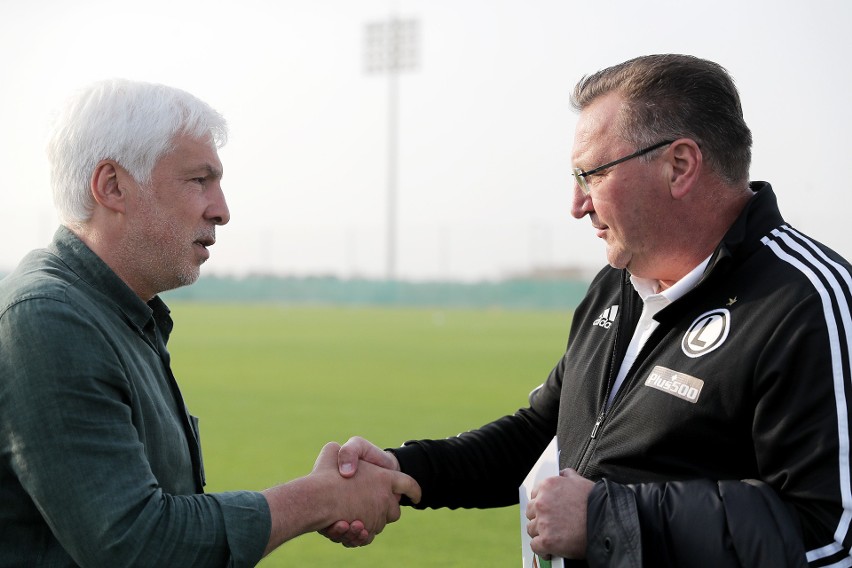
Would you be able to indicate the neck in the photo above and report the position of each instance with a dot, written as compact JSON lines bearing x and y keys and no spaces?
{"x":110,"y":249}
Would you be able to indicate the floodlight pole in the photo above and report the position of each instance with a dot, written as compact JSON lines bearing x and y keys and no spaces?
{"x":392,"y":180}
{"x":391,"y":48}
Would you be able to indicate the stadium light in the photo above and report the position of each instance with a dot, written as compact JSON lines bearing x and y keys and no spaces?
{"x":391,"y":47}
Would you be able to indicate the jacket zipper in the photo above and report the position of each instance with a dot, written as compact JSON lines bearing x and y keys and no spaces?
{"x":597,"y":425}
{"x":610,"y":381}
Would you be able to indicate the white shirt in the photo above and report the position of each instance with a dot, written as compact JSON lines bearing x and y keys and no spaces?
{"x":653,"y":302}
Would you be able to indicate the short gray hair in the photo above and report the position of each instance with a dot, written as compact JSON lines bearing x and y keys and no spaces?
{"x":677,"y":96}
{"x":131,"y":122}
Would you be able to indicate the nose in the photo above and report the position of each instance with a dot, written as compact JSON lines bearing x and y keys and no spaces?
{"x":581,"y":204}
{"x":217,"y":210}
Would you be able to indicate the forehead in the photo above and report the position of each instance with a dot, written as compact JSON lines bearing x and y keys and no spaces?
{"x":191,"y":153}
{"x":597,"y":128}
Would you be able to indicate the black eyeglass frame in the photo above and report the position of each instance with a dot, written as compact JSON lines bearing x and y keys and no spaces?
{"x":580,"y":175}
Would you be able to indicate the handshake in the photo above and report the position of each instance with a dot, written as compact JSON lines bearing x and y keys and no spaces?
{"x":374,"y":485}
{"x":350,"y":495}
{"x":354,"y":490}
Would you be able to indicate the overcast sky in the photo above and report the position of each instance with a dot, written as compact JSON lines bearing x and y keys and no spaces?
{"x":485,"y":126}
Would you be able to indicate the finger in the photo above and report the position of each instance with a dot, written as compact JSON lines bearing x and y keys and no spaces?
{"x":363,"y":539}
{"x":349,"y":535}
{"x":530,"y":510}
{"x":327,"y":457}
{"x":358,"y":535}
{"x":535,"y":490}
{"x":403,"y":484}
{"x":532,"y":530}
{"x":536,"y":547}
{"x":336,"y":532}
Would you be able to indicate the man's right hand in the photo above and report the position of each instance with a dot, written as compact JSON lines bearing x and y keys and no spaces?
{"x":350,"y":510}
{"x":358,"y":449}
{"x":371,"y":493}
{"x":351,"y":453}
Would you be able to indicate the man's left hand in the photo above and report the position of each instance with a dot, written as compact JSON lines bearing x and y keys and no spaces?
{"x":557,"y":514}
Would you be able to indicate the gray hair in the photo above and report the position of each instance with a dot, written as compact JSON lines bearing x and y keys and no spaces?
{"x":131,"y":122}
{"x":677,"y":96}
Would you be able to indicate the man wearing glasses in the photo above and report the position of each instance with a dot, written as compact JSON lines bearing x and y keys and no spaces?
{"x":701,"y":408}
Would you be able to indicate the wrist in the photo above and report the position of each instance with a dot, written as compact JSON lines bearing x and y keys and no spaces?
{"x":298,"y":507}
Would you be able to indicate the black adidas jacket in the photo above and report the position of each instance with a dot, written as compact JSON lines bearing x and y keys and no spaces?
{"x":728,"y":442}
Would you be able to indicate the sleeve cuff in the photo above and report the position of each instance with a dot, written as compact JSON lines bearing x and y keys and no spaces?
{"x":248,"y":524}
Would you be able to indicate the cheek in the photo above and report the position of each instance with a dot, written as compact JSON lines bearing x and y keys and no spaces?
{"x":625,"y":226}
{"x":164,"y":230}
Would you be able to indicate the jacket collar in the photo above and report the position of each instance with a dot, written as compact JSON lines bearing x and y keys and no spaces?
{"x":758,"y":218}
{"x":743,"y":238}
{"x":92,"y":270}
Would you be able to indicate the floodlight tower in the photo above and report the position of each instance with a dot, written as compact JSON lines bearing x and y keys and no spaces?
{"x":391,"y":48}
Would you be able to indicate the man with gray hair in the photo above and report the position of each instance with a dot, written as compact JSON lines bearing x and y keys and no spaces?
{"x":701,"y":407}
{"x":100,"y":461}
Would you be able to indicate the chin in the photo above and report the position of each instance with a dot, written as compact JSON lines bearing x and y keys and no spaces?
{"x":188,"y":277}
{"x":618,"y":261}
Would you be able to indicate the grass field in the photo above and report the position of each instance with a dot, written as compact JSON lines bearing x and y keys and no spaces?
{"x":272,"y":384}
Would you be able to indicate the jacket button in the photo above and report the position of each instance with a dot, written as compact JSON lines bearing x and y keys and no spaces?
{"x":607,"y":544}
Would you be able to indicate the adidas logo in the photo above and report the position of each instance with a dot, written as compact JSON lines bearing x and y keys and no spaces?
{"x":606,"y":318}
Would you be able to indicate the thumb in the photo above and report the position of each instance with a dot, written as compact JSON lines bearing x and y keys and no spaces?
{"x":403,"y":484}
{"x":360,"y":449}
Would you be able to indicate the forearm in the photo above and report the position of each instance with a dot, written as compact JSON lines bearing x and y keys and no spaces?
{"x":167,"y":530}
{"x":481,"y":468}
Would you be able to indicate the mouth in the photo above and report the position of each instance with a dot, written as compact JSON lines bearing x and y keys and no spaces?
{"x":600,"y":230}
{"x":203,"y":243}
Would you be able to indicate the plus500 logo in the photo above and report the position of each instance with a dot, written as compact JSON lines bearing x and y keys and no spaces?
{"x":681,"y":385}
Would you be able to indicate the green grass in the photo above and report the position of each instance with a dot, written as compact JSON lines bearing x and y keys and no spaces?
{"x":272,"y":384}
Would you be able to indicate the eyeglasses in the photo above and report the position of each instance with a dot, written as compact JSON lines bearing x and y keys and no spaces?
{"x":580,"y":176}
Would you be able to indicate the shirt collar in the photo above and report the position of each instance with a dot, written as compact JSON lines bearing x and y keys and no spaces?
{"x":647,"y":288}
{"x":92,"y":270}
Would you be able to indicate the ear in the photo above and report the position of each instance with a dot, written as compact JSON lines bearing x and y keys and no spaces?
{"x":108,"y":186}
{"x":685,"y":161}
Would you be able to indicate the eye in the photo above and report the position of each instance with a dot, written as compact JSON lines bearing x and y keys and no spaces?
{"x":596,"y":177}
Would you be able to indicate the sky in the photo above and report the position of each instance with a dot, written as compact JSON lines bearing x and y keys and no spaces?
{"x":484,"y":123}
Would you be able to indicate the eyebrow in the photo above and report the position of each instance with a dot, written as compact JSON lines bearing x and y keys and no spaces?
{"x":211,"y":171}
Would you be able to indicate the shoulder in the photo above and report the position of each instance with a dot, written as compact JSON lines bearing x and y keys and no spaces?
{"x":40,"y":275}
{"x":45,"y":309}
{"x":802,"y":261}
